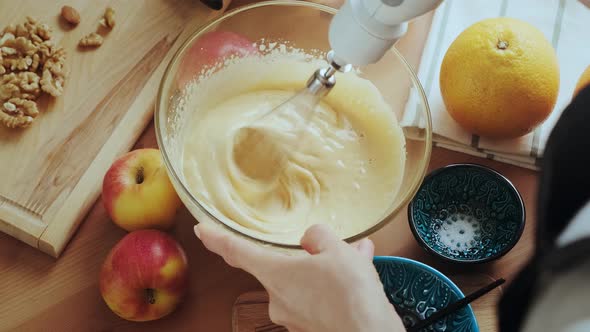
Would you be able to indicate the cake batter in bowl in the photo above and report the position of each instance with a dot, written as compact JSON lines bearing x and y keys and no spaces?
{"x":354,"y":167}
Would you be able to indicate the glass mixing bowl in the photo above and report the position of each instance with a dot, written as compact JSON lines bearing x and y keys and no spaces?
{"x":302,"y":25}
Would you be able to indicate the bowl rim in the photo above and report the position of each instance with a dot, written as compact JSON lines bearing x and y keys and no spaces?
{"x":434,"y":271}
{"x":161,"y":101}
{"x":500,"y":178}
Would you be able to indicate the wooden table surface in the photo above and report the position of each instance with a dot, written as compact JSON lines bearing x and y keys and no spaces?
{"x":39,"y":293}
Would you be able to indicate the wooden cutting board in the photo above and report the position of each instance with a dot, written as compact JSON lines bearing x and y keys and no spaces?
{"x":51,"y":173}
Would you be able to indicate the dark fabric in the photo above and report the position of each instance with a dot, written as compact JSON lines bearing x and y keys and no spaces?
{"x":565,"y":175}
{"x":213,"y":4}
{"x":564,"y":188}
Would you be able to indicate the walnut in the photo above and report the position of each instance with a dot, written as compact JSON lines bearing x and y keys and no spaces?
{"x":9,"y":108}
{"x":51,"y":83}
{"x":21,"y":45}
{"x":52,"y":80}
{"x":28,"y":107}
{"x":34,"y":63}
{"x":17,"y":54}
{"x":45,"y":49}
{"x":31,"y":23}
{"x":16,"y":64}
{"x":32,"y":30}
{"x":91,"y":40}
{"x":11,"y":29}
{"x":37,"y":40}
{"x":17,"y":112}
{"x":8,"y":79}
{"x":8,"y":91}
{"x":9,"y":86}
{"x":30,"y":63}
{"x":23,"y":85}
{"x":15,"y":121}
{"x":6,"y":36}
{"x":55,"y":62}
{"x":30,"y":26}
{"x":44,"y":31}
{"x":21,"y":106}
{"x":21,"y":31}
{"x":108,"y":20}
{"x":58,"y":55}
{"x":28,"y":82}
{"x":8,"y":50}
{"x":50,"y":56}
{"x":70,"y":14}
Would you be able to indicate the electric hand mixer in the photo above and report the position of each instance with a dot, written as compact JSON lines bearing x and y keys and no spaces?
{"x":360,"y":33}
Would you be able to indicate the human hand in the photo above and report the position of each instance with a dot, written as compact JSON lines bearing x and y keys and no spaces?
{"x":334,"y":287}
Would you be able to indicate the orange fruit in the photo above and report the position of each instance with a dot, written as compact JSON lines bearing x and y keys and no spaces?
{"x":583,"y":81}
{"x":500,"y":78}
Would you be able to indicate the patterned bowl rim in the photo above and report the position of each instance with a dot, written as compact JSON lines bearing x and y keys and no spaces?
{"x":500,"y":178}
{"x":428,"y":268}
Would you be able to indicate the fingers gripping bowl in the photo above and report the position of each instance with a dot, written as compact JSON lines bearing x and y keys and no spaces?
{"x":353,"y":169}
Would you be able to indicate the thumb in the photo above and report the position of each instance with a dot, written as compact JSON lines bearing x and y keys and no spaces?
{"x":236,"y":251}
{"x":366,"y":247}
{"x":319,"y":238}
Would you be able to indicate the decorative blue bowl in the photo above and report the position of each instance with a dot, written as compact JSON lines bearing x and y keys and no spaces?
{"x":417,"y":291}
{"x":467,"y":213}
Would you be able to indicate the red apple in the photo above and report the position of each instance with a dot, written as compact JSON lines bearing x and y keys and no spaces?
{"x":137,"y":193}
{"x":145,"y":276}
{"x":209,"y":49}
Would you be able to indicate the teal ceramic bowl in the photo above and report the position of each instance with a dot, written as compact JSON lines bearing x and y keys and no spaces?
{"x":467,"y":213}
{"x":416,"y":290}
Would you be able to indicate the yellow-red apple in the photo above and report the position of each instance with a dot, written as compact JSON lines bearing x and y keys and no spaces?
{"x":137,"y":192}
{"x":145,"y":276}
{"x":211,"y":48}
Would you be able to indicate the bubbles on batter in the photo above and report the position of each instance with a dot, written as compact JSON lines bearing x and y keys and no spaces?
{"x":460,"y":233}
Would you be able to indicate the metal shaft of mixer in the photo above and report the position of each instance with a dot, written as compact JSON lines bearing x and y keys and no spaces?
{"x":323,"y":80}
